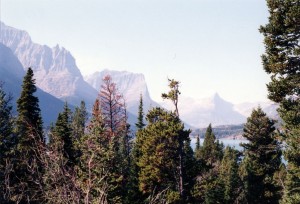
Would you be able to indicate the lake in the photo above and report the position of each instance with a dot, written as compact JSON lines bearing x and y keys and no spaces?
{"x":227,"y":142}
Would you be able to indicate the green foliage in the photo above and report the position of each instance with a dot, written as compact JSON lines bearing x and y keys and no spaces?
{"x":63,"y":130}
{"x":140,"y":123}
{"x":160,"y":151}
{"x":29,"y":120}
{"x":208,"y":187}
{"x":189,"y":164}
{"x":281,"y":60}
{"x":222,"y":131}
{"x":94,"y":168}
{"x":197,"y":148}
{"x":79,"y":119}
{"x":211,"y":150}
{"x":78,"y":123}
{"x":113,"y":111}
{"x":60,"y":182}
{"x":229,"y":175}
{"x":27,"y":169}
{"x":262,"y":159}
{"x":173,"y":94}
{"x":6,"y":121}
{"x":7,"y":139}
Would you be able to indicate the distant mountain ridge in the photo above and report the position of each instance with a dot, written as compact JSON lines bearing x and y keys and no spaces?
{"x":12,"y":73}
{"x":131,"y":85}
{"x":55,"y":68}
{"x":56,"y":73}
{"x":200,"y":112}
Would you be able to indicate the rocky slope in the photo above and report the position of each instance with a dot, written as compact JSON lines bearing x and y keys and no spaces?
{"x":11,"y":74}
{"x":55,"y":68}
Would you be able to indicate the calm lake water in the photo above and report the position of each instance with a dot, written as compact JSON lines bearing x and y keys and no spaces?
{"x":229,"y":142}
{"x":226,"y":142}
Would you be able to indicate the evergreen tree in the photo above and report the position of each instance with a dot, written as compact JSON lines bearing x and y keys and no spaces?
{"x":173,"y":95}
{"x":29,"y":120}
{"x":114,"y":114}
{"x":6,"y":139}
{"x":159,"y":160}
{"x":208,"y":187}
{"x":229,"y":175}
{"x":79,"y":119}
{"x":261,"y":160}
{"x":125,"y":148}
{"x":198,"y":148}
{"x":190,"y":169}
{"x":134,"y":193}
{"x":94,"y":168}
{"x":63,"y":131}
{"x":282,"y":61}
{"x":60,"y":179}
{"x":211,"y":150}
{"x":27,"y":169}
{"x":140,"y":123}
{"x":78,"y":124}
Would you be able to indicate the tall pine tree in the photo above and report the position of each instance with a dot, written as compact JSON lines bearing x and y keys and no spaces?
{"x":173,"y":95}
{"x":208,"y":188}
{"x":159,"y":158}
{"x":211,"y":150}
{"x":140,"y":123}
{"x":94,"y":169}
{"x":197,"y":148}
{"x":229,"y":176}
{"x":78,"y":123}
{"x":27,"y":169}
{"x":79,"y":119}
{"x":134,"y":193}
{"x":63,"y":132}
{"x":262,"y":159}
{"x":114,"y":114}
{"x":282,"y":61}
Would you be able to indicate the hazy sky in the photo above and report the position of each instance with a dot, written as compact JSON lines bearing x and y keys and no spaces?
{"x":208,"y":45}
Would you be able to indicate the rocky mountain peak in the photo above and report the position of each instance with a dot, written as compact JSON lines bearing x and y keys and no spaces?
{"x":55,"y":68}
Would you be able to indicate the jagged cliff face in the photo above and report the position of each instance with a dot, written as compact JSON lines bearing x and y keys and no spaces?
{"x":56,"y":73}
{"x":12,"y":73}
{"x":55,"y":68}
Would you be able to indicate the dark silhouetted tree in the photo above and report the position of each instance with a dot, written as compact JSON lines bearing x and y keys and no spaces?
{"x":27,"y":169}
{"x":262,"y":158}
{"x":63,"y":130}
{"x":282,"y":61}
{"x":94,"y":169}
{"x":7,"y":139}
{"x":140,"y":123}
{"x":159,"y":159}
{"x":229,"y":175}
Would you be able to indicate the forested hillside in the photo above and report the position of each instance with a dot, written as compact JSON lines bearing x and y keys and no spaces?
{"x":99,"y":159}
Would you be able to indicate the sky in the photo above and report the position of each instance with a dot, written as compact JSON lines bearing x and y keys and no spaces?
{"x":208,"y":45}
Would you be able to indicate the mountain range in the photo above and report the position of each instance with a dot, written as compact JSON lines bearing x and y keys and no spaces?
{"x":11,"y":75}
{"x":59,"y":80}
